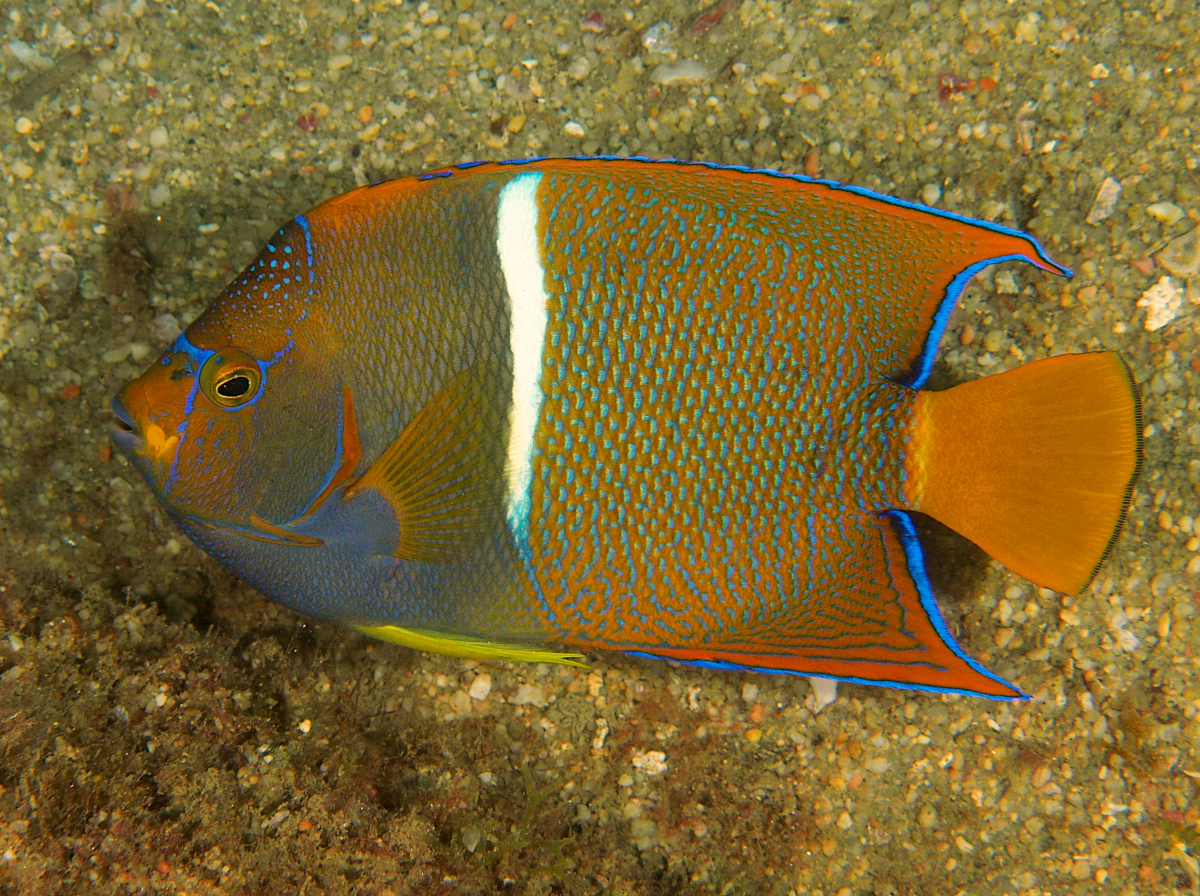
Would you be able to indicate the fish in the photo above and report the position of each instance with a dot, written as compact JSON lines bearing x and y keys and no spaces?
{"x":519,"y":410}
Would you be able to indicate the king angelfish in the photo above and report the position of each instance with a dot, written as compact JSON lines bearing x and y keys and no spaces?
{"x":668,"y":409}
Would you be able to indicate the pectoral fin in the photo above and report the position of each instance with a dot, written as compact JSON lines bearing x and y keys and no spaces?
{"x":444,"y":475}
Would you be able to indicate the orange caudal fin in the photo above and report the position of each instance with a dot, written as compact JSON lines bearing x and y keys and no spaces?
{"x":1035,"y":465}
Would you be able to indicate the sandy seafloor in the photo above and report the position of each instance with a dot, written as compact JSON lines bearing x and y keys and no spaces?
{"x":164,"y":729}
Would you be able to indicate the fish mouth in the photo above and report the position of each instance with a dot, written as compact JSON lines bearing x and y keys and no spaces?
{"x":123,"y":429}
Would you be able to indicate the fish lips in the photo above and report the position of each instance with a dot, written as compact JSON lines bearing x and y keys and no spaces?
{"x":126,"y":436}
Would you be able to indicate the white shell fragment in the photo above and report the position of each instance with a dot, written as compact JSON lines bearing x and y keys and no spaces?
{"x":1181,"y":256}
{"x":684,"y":71}
{"x":651,"y":762}
{"x":1106,"y":201}
{"x":824,"y":693}
{"x":1161,"y":301}
{"x":1167,"y":212}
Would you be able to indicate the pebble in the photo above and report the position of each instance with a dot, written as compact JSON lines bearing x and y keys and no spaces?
{"x":470,"y":835}
{"x":651,"y":762}
{"x":480,"y":687}
{"x":529,"y":695}
{"x":1181,"y":256}
{"x":1106,"y":201}
{"x":24,"y":125}
{"x":927,"y":817}
{"x":573,"y":129}
{"x":1162,"y":302}
{"x":339,"y":61}
{"x":682,"y":72}
{"x":1167,"y":212}
{"x":159,"y":138}
{"x":824,"y":692}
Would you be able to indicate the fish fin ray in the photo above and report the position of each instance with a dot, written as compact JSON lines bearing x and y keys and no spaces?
{"x":470,"y":647}
{"x":444,"y":475}
{"x":1035,"y":465}
{"x":913,"y":649}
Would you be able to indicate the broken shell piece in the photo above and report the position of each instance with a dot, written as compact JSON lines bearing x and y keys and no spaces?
{"x":824,"y":692}
{"x":1161,"y":301}
{"x":1182,"y":255}
{"x":680,"y":72}
{"x":1106,"y":201}
{"x":1167,"y":212}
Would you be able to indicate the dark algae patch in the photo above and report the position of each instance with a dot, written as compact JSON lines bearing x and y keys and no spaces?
{"x":165,"y":730}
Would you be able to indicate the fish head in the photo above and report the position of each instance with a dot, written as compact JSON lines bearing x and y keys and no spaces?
{"x":238,"y":424}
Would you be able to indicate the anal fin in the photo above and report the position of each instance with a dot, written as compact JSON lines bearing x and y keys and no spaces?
{"x":904,"y":644}
{"x":444,"y":475}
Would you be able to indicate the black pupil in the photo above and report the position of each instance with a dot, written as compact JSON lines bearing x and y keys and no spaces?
{"x":234,"y":387}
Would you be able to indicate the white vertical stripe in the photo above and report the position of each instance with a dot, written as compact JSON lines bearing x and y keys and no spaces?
{"x":521,"y":262}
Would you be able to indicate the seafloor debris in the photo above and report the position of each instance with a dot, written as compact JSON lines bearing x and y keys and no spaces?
{"x":1106,"y":201}
{"x":1181,"y":256}
{"x":684,"y":71}
{"x":1161,"y":301}
{"x":49,"y":81}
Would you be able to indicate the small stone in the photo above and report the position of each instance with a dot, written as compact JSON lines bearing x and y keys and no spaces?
{"x":24,"y":125}
{"x":931,"y":193}
{"x":470,"y":836}
{"x":1034,"y":825}
{"x":749,"y":692}
{"x":1193,"y":566}
{"x":1164,"y":520}
{"x":927,"y":817}
{"x":683,"y":72}
{"x":824,"y":693}
{"x":1181,"y":256}
{"x":339,"y":61}
{"x":1167,"y":212}
{"x":517,"y":122}
{"x":573,"y":129}
{"x":651,"y":762}
{"x":480,"y":687}
{"x":305,"y":726}
{"x":22,"y":170}
{"x":844,"y":821}
{"x":992,"y":340}
{"x":529,"y":695}
{"x":644,"y":833}
{"x":878,"y":765}
{"x":1106,"y":201}
{"x":159,"y":138}
{"x":1162,"y":302}
{"x":1006,"y":283}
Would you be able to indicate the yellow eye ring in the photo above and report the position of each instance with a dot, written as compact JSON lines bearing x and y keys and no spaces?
{"x":230,"y":378}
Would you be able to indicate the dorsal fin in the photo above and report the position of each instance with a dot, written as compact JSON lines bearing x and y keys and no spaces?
{"x":444,"y":474}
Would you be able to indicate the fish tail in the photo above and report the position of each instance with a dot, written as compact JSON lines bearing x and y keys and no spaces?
{"x":1035,"y":465}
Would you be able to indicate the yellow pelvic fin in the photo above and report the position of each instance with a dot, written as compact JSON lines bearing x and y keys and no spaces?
{"x":1035,"y":465}
{"x":468,"y":647}
{"x":444,"y":475}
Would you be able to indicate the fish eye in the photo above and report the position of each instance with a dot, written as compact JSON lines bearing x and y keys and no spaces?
{"x":230,"y":378}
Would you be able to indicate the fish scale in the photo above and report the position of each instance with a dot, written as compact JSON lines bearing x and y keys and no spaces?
{"x":727,"y":482}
